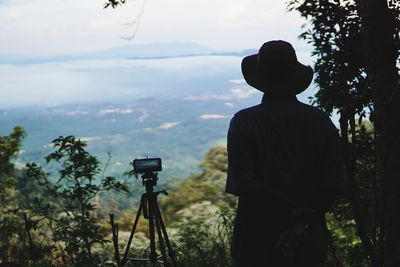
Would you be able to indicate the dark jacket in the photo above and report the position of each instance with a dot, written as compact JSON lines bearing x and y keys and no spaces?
{"x":282,"y":154}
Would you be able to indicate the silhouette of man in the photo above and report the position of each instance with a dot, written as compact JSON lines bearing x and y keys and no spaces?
{"x":284,"y":163}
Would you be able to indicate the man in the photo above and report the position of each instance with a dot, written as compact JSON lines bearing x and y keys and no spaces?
{"x":284,"y":163}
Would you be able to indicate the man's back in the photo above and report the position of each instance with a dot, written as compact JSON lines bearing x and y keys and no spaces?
{"x":282,"y":154}
{"x":286,"y":143}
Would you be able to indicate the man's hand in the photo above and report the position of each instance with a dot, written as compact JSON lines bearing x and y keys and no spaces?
{"x":290,"y":239}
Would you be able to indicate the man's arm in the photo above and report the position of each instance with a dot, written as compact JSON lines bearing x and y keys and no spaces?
{"x":332,"y":170}
{"x":241,"y":151}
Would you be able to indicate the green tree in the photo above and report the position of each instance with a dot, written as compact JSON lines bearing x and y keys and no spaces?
{"x":10,"y":224}
{"x":380,"y":30}
{"x":9,"y":148}
{"x":208,"y":185}
{"x":71,"y":215}
{"x":203,"y":234}
{"x":201,"y":215}
{"x":356,"y":45}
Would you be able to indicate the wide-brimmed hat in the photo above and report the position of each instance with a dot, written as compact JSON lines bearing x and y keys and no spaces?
{"x":275,"y":70}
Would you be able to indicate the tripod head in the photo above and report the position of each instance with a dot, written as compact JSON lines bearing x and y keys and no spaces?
{"x":149,"y":179}
{"x":148,"y":168}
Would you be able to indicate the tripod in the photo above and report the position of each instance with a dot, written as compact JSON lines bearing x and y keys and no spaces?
{"x":151,"y":212}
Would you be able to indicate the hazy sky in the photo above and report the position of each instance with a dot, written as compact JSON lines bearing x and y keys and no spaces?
{"x":55,"y":27}
{"x":67,"y":26}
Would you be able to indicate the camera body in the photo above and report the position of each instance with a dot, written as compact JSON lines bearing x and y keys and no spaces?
{"x":147,"y":165}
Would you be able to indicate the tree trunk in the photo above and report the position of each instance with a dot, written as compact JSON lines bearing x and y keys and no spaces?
{"x":378,"y":29}
{"x":353,"y":187}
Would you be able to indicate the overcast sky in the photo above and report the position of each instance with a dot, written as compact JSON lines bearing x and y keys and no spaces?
{"x":35,"y":28}
{"x":68,"y":26}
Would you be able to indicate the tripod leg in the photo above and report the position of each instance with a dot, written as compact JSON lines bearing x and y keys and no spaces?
{"x":153,"y":251}
{"x":128,"y":245}
{"x":161,"y":239}
{"x":164,"y":231}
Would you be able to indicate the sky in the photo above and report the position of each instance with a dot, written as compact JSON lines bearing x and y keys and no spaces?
{"x":40,"y":28}
{"x":43,"y":27}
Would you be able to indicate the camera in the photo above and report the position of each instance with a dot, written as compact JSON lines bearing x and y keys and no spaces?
{"x":147,"y":165}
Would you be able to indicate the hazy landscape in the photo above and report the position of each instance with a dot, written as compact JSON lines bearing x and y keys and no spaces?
{"x":163,"y":79}
{"x":175,"y":104}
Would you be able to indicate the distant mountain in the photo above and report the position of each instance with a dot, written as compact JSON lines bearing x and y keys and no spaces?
{"x":153,"y":50}
{"x":174,"y":108}
{"x":137,"y":51}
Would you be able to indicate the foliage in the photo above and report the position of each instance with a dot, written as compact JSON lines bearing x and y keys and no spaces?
{"x":11,"y":227}
{"x":9,"y":148}
{"x":345,"y":245}
{"x":63,"y":225}
{"x":56,"y":220}
{"x":208,"y":185}
{"x":337,"y":30}
{"x":72,"y":216}
{"x":113,"y":3}
{"x":199,"y":217}
{"x":203,"y":235}
{"x":335,"y":34}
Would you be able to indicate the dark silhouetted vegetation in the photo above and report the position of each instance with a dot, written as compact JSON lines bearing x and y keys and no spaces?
{"x":62,"y":224}
{"x":59,"y":222}
{"x":356,"y":45}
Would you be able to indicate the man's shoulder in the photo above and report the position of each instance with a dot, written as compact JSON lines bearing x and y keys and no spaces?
{"x":314,"y":111}
{"x":244,"y":118}
{"x":247,"y":112}
{"x":297,"y":111}
{"x":298,"y":106}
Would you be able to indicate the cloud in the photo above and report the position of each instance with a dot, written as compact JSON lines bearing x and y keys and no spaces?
{"x":47,"y":84}
{"x":126,"y":111}
{"x":12,"y":14}
{"x":107,"y":111}
{"x":144,"y":115}
{"x":19,"y":165}
{"x":234,"y":93}
{"x":237,"y":81}
{"x":90,"y":138}
{"x":116,"y":139}
{"x":207,"y":97}
{"x":233,"y":13}
{"x":250,"y":14}
{"x":104,"y":112}
{"x":44,"y":26}
{"x":148,"y":130}
{"x":212,"y":117}
{"x":240,"y":93}
{"x":168,"y":125}
{"x":47,"y":146}
{"x":101,"y":22}
{"x":76,"y":113}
